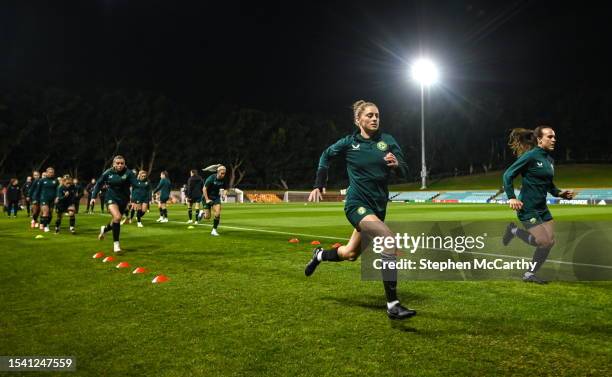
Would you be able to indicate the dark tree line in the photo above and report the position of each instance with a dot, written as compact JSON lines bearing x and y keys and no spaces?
{"x":79,"y":133}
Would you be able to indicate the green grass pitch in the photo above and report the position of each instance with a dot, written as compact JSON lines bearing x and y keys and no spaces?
{"x":239,"y":304}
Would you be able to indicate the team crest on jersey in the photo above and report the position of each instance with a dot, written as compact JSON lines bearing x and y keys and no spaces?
{"x":533,"y":220}
{"x":361,"y":210}
{"x":382,"y":146}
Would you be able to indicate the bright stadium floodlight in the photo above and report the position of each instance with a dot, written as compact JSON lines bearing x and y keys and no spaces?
{"x":425,"y":72}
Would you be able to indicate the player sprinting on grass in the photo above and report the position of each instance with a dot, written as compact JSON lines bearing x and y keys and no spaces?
{"x":193,"y":192}
{"x":535,"y":165}
{"x":65,"y":203}
{"x":370,"y":157}
{"x":212,"y":196}
{"x":25,"y":192}
{"x":47,"y":192}
{"x":34,"y":199}
{"x":118,"y":180}
{"x":163,"y":187}
{"x":141,"y":197}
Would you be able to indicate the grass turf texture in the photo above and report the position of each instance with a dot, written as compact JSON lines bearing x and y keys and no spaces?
{"x":566,"y":176}
{"x":239,"y":304}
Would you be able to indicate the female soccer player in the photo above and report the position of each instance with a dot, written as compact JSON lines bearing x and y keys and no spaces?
{"x":13,"y":196}
{"x":47,"y":192}
{"x":163,"y":188}
{"x":534,"y":163}
{"x":118,"y":179}
{"x":65,"y":203}
{"x":141,"y":196}
{"x":89,"y":189}
{"x":370,"y":156}
{"x":33,"y":198}
{"x":79,"y":191}
{"x":212,"y":187}
{"x":193,"y":191}
{"x":25,"y":193}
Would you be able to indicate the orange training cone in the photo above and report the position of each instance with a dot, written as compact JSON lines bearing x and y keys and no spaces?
{"x":123,"y":265}
{"x":139,"y":270}
{"x":108,"y":259}
{"x":160,"y":279}
{"x":98,"y":255}
{"x":294,"y":240}
{"x":315,"y":242}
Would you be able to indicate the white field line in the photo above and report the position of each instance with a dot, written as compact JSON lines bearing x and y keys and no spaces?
{"x":346,"y":239}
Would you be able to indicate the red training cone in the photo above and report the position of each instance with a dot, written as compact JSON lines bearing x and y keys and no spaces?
{"x":123,"y":265}
{"x":160,"y":279}
{"x":294,"y":240}
{"x":108,"y":259}
{"x":98,"y":255}
{"x":315,"y":242}
{"x":139,"y":270}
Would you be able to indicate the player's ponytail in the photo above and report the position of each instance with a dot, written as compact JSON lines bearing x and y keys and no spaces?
{"x":521,"y":140}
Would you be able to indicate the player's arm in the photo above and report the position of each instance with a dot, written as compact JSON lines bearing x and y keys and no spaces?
{"x":335,"y":150}
{"x":395,"y":158}
{"x":518,"y":167}
{"x":97,"y":187}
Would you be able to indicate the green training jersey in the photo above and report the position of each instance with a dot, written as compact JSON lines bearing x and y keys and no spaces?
{"x":213,"y":186}
{"x":47,"y":190}
{"x":66,"y":195}
{"x":118,"y":184}
{"x":141,"y":193}
{"x":537,"y":170}
{"x":164,"y":186}
{"x":367,"y":170}
{"x":34,"y":190}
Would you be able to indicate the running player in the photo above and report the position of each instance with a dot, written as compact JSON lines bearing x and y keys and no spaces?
{"x":141,"y":197}
{"x":536,"y":166}
{"x":118,"y":180}
{"x":33,"y":199}
{"x":25,"y":192}
{"x":47,"y":191}
{"x":79,"y":190}
{"x":163,"y":188}
{"x":195,"y":185}
{"x":212,"y":198}
{"x":89,"y":189}
{"x":65,"y":203}
{"x":370,"y":156}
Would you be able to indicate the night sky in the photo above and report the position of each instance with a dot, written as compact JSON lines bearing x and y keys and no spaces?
{"x":298,"y":56}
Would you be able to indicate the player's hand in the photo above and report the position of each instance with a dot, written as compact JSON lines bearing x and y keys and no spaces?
{"x":315,"y":195}
{"x":567,"y":194}
{"x":209,"y":201}
{"x":66,"y":193}
{"x":391,"y":160}
{"x":515,"y":204}
{"x":92,"y":202}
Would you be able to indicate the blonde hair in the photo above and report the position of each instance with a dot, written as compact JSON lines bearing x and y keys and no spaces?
{"x":359,"y":107}
{"x":522,"y":140}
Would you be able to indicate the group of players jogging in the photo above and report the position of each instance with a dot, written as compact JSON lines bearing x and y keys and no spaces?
{"x":370,"y":157}
{"x":127,"y":193}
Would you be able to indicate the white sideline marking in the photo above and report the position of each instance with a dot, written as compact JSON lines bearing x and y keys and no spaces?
{"x":346,"y":239}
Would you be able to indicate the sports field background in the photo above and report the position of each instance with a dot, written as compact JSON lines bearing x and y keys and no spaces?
{"x":239,"y":304}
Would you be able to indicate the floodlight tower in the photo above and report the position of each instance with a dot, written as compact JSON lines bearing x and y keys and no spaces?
{"x":425,"y":73}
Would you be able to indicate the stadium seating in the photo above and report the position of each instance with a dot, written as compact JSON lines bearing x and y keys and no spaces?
{"x":412,"y":196}
{"x":594,"y":194}
{"x":465,"y":196}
